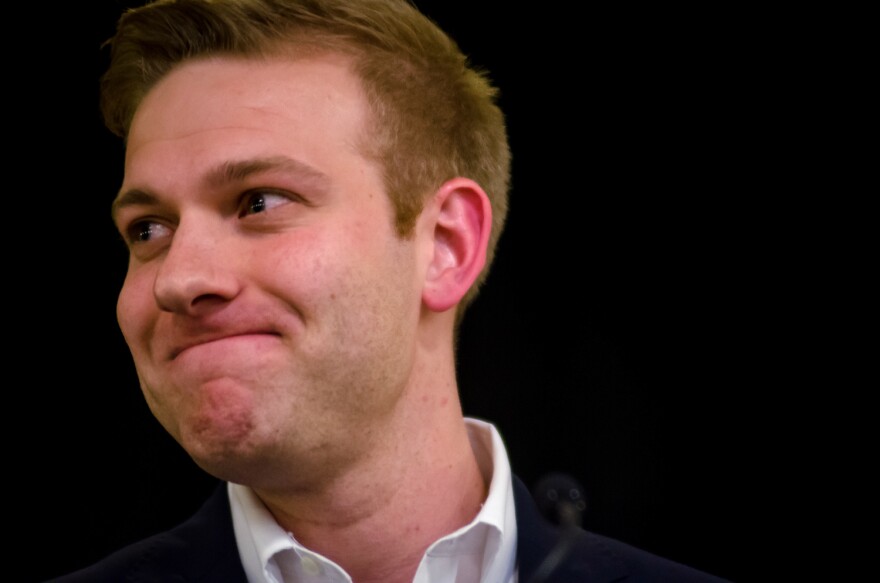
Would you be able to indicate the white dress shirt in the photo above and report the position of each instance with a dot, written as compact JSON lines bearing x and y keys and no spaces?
{"x":483,"y":551}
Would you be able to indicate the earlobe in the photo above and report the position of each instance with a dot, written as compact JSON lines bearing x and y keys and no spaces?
{"x":462,"y":221}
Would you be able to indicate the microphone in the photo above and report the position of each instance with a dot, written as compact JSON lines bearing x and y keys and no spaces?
{"x":561,"y":500}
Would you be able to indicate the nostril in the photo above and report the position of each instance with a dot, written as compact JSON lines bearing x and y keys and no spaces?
{"x":208,"y":301}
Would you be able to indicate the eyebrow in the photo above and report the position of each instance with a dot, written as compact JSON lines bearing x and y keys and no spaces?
{"x":132,"y":197}
{"x":230,"y":172}
{"x":238,"y":170}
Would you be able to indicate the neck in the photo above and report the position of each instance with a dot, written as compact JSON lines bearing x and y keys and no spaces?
{"x":420,"y":483}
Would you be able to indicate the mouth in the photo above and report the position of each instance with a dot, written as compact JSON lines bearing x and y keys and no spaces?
{"x":216,"y":341}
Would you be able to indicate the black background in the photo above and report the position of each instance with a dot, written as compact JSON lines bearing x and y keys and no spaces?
{"x":632,"y":333}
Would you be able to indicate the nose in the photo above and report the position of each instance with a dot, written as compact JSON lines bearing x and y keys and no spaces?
{"x":196,"y":274}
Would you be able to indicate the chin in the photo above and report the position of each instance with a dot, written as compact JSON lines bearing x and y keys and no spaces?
{"x":230,"y":460}
{"x":216,"y":441}
{"x":217,"y":421}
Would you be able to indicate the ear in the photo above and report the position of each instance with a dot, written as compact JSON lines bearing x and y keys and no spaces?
{"x":462,"y":219}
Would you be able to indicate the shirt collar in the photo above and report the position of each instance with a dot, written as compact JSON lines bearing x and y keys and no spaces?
{"x":484,"y":550}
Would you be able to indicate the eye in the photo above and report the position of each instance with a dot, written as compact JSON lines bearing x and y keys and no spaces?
{"x":260,"y":201}
{"x":145,"y":231}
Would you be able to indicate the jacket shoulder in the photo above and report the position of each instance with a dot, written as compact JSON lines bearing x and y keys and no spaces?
{"x":580,"y":556}
{"x":200,"y":549}
{"x":638,"y":564}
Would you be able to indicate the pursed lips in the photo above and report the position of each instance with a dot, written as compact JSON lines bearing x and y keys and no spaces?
{"x":207,"y":339}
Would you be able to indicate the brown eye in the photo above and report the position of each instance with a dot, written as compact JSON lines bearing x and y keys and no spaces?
{"x":145,"y":231}
{"x":257,"y":204}
{"x":261,"y":201}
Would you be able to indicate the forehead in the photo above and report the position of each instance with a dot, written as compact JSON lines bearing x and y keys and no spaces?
{"x":316,"y":99}
{"x":209,"y":113}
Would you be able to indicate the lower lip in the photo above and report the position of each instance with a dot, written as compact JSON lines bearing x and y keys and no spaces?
{"x":229,"y":346}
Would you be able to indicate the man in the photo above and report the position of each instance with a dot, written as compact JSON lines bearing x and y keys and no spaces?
{"x":313,"y":193}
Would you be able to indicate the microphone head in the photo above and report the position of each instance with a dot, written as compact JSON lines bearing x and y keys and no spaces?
{"x":560,"y":499}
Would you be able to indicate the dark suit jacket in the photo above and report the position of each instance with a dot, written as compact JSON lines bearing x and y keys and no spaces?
{"x":203,"y":549}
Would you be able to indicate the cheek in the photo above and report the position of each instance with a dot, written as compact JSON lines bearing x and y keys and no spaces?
{"x":135,"y":308}
{"x":303,"y":267}
{"x":349,"y":278}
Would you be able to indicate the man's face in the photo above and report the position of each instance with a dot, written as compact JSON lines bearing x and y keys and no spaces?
{"x":270,"y":308}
